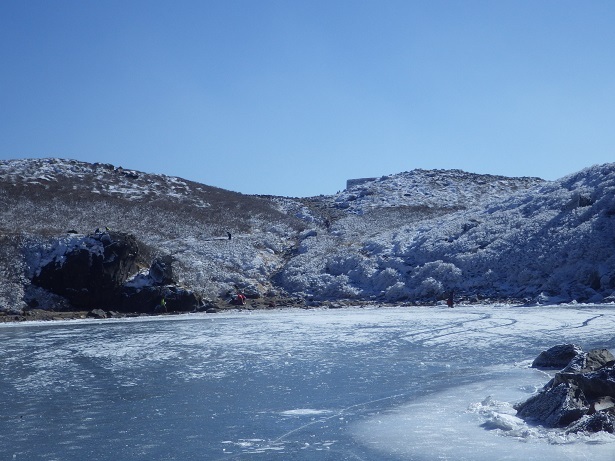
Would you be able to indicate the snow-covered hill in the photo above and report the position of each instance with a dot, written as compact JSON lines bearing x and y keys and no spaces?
{"x":429,"y":188}
{"x":553,"y":240}
{"x":42,"y":199}
{"x":412,"y":236}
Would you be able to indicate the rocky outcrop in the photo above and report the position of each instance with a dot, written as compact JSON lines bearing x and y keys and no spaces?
{"x":90,"y":270}
{"x":581,"y":397}
{"x":556,"y":406}
{"x":148,"y":299}
{"x":97,"y":271}
{"x":557,"y":357}
{"x":97,"y":314}
{"x":600,"y":421}
{"x":589,"y":361}
{"x":161,"y":271}
{"x":145,"y":292}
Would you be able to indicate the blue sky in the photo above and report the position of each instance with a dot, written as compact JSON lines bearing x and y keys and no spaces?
{"x":294,"y":97}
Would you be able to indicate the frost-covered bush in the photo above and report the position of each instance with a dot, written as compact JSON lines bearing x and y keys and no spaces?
{"x":385,"y":279}
{"x":428,"y":288}
{"x":343,"y":264}
{"x":12,"y":279}
{"x":397,"y":292}
{"x":446,"y":274}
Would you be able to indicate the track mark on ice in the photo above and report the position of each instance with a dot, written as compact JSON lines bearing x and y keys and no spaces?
{"x":591,"y":319}
{"x":338,"y":414}
{"x":276,"y":443}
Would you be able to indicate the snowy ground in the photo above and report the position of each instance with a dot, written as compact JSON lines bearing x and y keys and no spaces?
{"x":347,"y":384}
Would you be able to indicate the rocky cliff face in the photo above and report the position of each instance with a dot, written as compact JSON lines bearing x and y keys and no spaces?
{"x":93,"y":271}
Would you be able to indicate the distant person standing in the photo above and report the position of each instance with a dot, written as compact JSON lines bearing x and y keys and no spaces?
{"x":229,"y":235}
{"x":450,"y":302}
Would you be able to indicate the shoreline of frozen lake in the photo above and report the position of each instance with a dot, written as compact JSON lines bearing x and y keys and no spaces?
{"x":403,"y":383}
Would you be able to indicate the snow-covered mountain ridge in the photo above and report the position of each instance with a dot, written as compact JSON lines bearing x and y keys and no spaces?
{"x":430,"y":188}
{"x":413,"y":236}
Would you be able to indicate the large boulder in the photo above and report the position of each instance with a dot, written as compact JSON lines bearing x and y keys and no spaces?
{"x":589,"y":361}
{"x":161,"y":271}
{"x":602,"y":421}
{"x":557,"y":357}
{"x":596,"y":384}
{"x":557,"y":407}
{"x":89,"y":270}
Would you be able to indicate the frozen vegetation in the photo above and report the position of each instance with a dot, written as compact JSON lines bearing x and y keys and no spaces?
{"x":410,"y":237}
{"x":553,"y":241}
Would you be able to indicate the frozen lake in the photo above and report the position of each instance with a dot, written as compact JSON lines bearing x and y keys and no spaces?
{"x":349,"y":384}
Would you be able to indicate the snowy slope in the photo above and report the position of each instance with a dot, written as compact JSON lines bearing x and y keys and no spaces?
{"x":42,"y":199}
{"x":430,"y":188}
{"x":412,"y":236}
{"x":553,"y":240}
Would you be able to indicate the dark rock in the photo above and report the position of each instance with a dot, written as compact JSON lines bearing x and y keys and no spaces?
{"x":143,"y":300}
{"x":555,"y":407}
{"x":597,"y":422}
{"x":209,"y":306}
{"x":589,"y":361}
{"x":599,"y":383}
{"x":161,"y":271}
{"x":251,"y":292}
{"x":557,"y":357}
{"x":97,"y":314}
{"x":146,"y":299}
{"x":92,"y":269}
{"x":595,"y":384}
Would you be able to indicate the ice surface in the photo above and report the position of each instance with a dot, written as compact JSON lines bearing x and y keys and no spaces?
{"x":367,"y":384}
{"x":445,"y":426}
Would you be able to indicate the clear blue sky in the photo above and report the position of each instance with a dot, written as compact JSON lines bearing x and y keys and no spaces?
{"x":294,"y":97}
